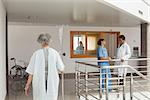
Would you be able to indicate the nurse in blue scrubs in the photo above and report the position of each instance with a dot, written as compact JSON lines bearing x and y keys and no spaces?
{"x":102,"y":54}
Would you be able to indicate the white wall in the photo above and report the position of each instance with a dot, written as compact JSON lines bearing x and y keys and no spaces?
{"x":22,"y":40}
{"x":2,"y":53}
{"x":149,"y":13}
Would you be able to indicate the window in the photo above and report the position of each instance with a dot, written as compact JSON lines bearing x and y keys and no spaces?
{"x":84,"y":44}
{"x":90,"y":41}
{"x":78,"y":39}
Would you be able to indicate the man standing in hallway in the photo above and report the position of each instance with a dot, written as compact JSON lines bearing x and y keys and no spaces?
{"x":123,"y":53}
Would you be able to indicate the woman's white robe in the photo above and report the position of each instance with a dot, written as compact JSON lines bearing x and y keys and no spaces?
{"x":36,"y":68}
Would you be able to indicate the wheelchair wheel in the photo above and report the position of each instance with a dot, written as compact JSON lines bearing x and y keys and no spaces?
{"x":16,"y":72}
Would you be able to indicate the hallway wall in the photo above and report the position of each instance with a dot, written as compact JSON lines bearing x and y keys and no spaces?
{"x":2,"y":51}
{"x":148,"y":50}
{"x":22,"y":40}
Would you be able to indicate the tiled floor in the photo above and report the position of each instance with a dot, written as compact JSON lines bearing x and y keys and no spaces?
{"x":69,"y":85}
{"x":15,"y":95}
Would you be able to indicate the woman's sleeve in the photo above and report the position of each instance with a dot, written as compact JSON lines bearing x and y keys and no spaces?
{"x":100,"y":53}
{"x":59,"y":63}
{"x":31,"y":66}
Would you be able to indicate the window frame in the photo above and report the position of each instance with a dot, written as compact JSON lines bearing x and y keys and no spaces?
{"x":72,"y":33}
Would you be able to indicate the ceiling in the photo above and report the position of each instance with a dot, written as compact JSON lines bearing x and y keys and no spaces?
{"x":68,"y":12}
{"x":147,"y":2}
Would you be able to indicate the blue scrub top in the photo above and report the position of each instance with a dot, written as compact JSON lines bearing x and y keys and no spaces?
{"x":102,"y":52}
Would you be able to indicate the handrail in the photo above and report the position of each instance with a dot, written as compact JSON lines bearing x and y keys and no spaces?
{"x":62,"y":86}
{"x":123,"y":66}
{"x":114,"y":60}
{"x":117,"y":66}
{"x":94,"y":64}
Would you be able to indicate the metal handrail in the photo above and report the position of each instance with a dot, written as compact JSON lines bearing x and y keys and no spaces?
{"x":95,"y":65}
{"x":115,"y":60}
{"x":62,"y":84}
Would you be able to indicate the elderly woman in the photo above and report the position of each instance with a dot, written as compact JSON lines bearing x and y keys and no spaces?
{"x":43,"y":70}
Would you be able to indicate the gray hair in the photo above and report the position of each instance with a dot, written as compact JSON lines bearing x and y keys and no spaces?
{"x":44,"y":38}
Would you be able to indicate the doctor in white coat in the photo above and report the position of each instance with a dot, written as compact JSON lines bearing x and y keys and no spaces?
{"x":43,"y":70}
{"x":123,"y":53}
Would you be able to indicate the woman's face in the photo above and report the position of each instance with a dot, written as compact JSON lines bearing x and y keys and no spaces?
{"x":104,"y":42}
{"x":44,"y":45}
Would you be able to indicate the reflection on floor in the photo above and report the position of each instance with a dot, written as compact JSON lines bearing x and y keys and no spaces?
{"x":113,"y":96}
{"x":16,"y":90}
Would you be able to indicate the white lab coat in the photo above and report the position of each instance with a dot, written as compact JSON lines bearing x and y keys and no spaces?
{"x":124,"y":53}
{"x":36,"y":68}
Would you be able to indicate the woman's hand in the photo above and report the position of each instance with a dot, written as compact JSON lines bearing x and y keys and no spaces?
{"x":27,"y":89}
{"x":109,"y":58}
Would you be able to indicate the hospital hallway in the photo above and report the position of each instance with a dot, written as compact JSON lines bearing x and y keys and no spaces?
{"x":99,"y":48}
{"x":19,"y":95}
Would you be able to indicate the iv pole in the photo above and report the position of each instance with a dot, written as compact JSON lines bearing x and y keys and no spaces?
{"x":61,"y":30}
